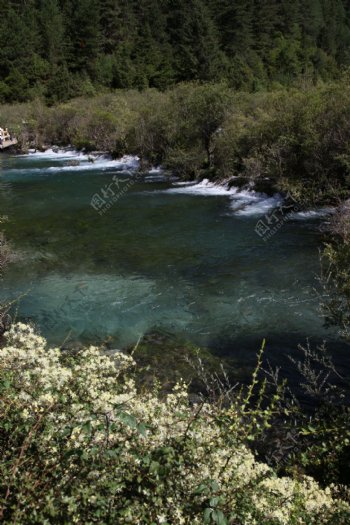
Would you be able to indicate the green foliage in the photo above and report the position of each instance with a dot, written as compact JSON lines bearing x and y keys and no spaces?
{"x":298,"y":139}
{"x":81,"y":444}
{"x":335,"y":277}
{"x":117,"y":44}
{"x":325,"y":448}
{"x":319,"y":436}
{"x":336,"y":257}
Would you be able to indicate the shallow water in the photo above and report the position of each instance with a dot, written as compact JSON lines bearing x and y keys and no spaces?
{"x":181,"y":259}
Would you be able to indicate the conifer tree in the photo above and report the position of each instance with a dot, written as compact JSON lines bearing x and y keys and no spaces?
{"x":52,"y":32}
{"x":142,"y":43}
{"x":84,"y":33}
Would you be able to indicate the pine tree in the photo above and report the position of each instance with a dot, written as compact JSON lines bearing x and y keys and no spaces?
{"x":115,"y":23}
{"x":194,"y":40}
{"x":334,"y":36}
{"x":22,"y":67}
{"x":267,"y":23}
{"x":84,"y":34}
{"x":52,"y":32}
{"x":235,"y":22}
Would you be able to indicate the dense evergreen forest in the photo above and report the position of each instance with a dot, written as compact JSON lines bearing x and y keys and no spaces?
{"x":64,"y":48}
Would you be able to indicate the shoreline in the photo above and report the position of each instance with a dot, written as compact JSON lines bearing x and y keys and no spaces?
{"x":247,"y":195}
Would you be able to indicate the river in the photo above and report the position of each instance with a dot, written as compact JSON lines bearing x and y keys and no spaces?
{"x":100,"y":255}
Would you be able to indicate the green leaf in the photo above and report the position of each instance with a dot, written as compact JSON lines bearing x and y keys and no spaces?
{"x":87,"y":427}
{"x":207,"y":514}
{"x":214,"y":485}
{"x":219,"y":517}
{"x":154,"y":467}
{"x":142,"y":429}
{"x":128,"y":420}
{"x":202,"y":488}
{"x":214,"y":501}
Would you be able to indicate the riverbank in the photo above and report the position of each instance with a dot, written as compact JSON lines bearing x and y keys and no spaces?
{"x":255,"y":197}
{"x":293,"y":139}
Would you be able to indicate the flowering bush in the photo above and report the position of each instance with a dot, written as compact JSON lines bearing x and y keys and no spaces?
{"x":80,"y":444}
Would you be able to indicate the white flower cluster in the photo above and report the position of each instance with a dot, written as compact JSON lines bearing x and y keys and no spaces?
{"x":90,"y":401}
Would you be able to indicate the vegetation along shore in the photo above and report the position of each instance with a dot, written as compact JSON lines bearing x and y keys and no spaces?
{"x":294,"y":140}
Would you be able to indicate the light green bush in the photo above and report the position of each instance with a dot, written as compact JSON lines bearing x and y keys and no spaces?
{"x":297,"y":138}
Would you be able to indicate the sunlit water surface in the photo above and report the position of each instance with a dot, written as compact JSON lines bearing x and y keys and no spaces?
{"x":182,"y":260}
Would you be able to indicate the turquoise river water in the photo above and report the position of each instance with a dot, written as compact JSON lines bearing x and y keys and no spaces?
{"x":182,"y":259}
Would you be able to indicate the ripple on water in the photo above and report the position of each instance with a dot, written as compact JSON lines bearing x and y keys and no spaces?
{"x":162,"y":257}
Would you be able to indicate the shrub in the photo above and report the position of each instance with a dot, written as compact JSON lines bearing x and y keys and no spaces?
{"x":80,"y":444}
{"x":298,"y":138}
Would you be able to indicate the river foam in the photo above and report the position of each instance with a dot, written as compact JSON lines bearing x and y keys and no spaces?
{"x":54,"y":153}
{"x":313,"y":214}
{"x":243,"y":202}
{"x":68,"y":159}
{"x":249,"y":203}
{"x":99,"y":163}
{"x":205,"y":187}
